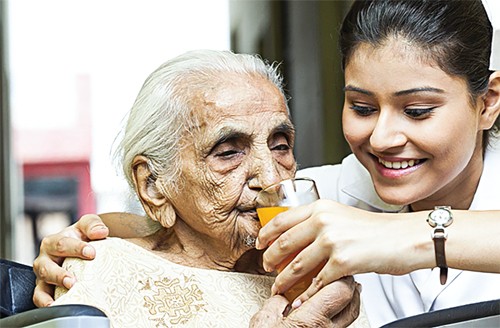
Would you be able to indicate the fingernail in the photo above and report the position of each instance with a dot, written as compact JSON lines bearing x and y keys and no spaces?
{"x":87,"y":251}
{"x":98,"y":227}
{"x":274,"y":290}
{"x":257,"y":244}
{"x":68,"y":282}
{"x":287,"y":310}
{"x":296,"y":303}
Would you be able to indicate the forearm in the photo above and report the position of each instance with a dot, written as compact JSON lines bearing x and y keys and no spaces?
{"x":472,"y":242}
{"x":127,"y":225}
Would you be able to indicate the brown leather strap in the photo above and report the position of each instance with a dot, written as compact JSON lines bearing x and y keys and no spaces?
{"x":439,"y":240}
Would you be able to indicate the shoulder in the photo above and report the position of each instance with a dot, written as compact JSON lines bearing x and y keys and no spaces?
{"x":332,"y":180}
{"x":348,"y":183}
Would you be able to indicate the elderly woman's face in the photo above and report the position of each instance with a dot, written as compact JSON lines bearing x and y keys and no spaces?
{"x":242,"y":142}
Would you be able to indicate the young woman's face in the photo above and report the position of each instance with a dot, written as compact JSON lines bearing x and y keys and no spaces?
{"x":412,"y":126}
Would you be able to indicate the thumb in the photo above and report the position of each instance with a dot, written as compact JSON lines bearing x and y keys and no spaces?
{"x":92,"y":227}
{"x":271,"y":312}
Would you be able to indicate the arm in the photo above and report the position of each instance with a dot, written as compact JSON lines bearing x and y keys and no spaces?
{"x":355,"y":241}
{"x":72,"y":242}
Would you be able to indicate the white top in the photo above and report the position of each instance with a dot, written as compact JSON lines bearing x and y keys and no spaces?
{"x":387,"y":298}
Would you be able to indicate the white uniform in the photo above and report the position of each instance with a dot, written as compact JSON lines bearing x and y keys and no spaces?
{"x":387,"y":298}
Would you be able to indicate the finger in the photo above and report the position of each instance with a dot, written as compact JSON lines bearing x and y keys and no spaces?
{"x":271,"y":312}
{"x":50,"y":272}
{"x":42,"y":296}
{"x":303,"y":266}
{"x":290,"y":242}
{"x":91,"y":227}
{"x":281,"y":223}
{"x":327,"y":272}
{"x":331,"y":299}
{"x":351,"y":312}
{"x":62,"y":246}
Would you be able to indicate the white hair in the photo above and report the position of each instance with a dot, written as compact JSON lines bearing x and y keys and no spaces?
{"x":161,"y":114}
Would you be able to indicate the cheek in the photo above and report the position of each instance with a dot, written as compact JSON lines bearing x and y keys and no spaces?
{"x":285,"y":165}
{"x":356,"y":130}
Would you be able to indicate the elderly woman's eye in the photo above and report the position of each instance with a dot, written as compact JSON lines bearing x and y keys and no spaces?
{"x":279,"y":142}
{"x":281,"y":147}
{"x":228,"y":153}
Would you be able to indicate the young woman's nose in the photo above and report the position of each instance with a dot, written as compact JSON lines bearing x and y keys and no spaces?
{"x":387,"y":133}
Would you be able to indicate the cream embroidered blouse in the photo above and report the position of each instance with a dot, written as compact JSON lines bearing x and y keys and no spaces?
{"x":136,"y":288}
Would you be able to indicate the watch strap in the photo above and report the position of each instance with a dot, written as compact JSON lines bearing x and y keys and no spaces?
{"x":439,"y":238}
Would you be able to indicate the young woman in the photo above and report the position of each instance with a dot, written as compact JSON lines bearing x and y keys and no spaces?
{"x":421,"y":115}
{"x":420,"y":110}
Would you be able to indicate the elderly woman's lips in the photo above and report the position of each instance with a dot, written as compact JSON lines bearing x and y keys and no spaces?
{"x":249,"y":212}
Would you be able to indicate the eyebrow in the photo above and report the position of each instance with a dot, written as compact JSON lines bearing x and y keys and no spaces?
{"x":398,"y":93}
{"x":284,"y":127}
{"x":228,"y":133}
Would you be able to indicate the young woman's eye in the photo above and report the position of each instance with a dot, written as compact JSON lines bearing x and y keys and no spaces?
{"x":363,"y":110}
{"x":419,"y":112}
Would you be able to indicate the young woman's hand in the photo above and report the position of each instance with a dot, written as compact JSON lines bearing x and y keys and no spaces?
{"x":345,"y":240}
{"x":70,"y":242}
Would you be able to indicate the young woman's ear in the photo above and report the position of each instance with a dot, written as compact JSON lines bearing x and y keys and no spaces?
{"x":156,"y":205}
{"x":491,"y":102}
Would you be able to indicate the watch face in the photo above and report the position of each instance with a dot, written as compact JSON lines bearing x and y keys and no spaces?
{"x":440,"y":216}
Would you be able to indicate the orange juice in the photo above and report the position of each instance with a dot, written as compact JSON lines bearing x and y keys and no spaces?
{"x":265,"y":215}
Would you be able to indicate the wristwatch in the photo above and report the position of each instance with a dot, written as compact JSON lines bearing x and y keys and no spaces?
{"x":440,"y":218}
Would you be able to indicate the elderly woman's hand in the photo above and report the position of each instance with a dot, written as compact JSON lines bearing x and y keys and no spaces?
{"x":70,"y":242}
{"x":335,"y":305}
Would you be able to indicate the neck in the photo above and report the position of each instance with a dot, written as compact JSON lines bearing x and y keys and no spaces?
{"x":459,"y":193}
{"x":182,"y":245}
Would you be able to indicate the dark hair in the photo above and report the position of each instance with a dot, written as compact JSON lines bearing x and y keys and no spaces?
{"x":455,"y":34}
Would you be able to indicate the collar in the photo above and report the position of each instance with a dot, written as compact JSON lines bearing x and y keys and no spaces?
{"x":361,"y":188}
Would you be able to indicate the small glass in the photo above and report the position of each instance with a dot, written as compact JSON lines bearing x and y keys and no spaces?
{"x":278,"y":198}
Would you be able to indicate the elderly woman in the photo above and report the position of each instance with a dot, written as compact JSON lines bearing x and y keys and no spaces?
{"x":207,"y":131}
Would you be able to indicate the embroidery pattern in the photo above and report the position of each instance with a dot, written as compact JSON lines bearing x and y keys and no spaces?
{"x":173,"y":302}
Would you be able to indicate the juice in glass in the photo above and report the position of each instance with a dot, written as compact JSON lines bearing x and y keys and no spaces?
{"x":265,"y":215}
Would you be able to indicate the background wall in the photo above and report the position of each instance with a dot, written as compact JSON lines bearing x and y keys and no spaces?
{"x":302,"y":35}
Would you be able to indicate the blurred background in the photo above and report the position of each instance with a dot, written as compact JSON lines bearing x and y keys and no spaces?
{"x":71,"y":70}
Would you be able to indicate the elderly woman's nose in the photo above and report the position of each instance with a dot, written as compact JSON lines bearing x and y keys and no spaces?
{"x":264,"y":172}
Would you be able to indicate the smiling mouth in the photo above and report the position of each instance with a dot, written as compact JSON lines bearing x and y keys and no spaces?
{"x":400,"y":165}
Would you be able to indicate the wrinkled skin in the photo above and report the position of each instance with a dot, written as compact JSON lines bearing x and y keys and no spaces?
{"x":336,"y":305}
{"x":242,"y":142}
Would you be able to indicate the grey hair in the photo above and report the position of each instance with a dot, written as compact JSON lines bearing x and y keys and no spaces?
{"x":161,"y":113}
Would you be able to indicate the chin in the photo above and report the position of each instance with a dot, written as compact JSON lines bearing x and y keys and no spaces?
{"x":394,"y":196}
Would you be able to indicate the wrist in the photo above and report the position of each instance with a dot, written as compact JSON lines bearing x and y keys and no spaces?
{"x":419,"y":251}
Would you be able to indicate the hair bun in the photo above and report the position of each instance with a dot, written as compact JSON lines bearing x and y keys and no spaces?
{"x":492,"y":8}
